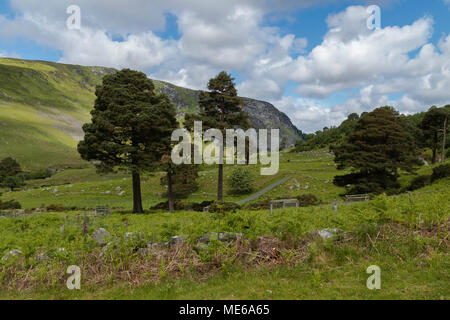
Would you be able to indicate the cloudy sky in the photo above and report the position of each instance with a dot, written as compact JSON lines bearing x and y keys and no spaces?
{"x":316,"y":60}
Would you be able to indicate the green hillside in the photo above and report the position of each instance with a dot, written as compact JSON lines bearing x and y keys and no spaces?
{"x":44,"y":105}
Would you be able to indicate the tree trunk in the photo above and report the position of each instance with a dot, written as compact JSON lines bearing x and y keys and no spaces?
{"x":435,"y":138}
{"x":444,"y":136}
{"x":170,"y":191}
{"x":137,"y":194}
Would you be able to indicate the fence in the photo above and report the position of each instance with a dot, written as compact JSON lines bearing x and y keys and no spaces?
{"x":286,"y":203}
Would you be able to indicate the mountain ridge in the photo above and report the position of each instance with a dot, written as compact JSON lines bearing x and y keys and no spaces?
{"x":44,"y":104}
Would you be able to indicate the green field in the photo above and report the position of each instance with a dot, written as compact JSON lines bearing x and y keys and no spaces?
{"x":280,"y":255}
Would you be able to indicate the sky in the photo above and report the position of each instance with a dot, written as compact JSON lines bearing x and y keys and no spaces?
{"x":316,"y":60}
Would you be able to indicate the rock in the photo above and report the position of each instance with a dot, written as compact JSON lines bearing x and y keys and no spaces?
{"x":121,"y":193}
{"x":118,"y":188}
{"x":208,"y":237}
{"x":100,"y":236}
{"x":176,"y":241}
{"x":332,"y":234}
{"x":43,"y":257}
{"x":134,"y":236}
{"x":13,"y":253}
{"x":228,"y":237}
{"x":61,"y":250}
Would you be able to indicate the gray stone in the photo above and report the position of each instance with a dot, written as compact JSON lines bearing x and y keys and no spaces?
{"x":176,"y":241}
{"x":133,"y":236}
{"x":331,"y":234}
{"x":43,"y":257}
{"x":12,"y":253}
{"x":100,"y":236}
{"x":228,"y":237}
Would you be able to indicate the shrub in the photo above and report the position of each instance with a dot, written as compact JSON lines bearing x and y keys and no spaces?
{"x":222,"y":207}
{"x":419,"y":182}
{"x":307,"y":200}
{"x":40,"y":174}
{"x":12,"y":182}
{"x":240,"y":181}
{"x":55,"y":208}
{"x":440,"y":172}
{"x":10,"y":205}
{"x":178,"y":205}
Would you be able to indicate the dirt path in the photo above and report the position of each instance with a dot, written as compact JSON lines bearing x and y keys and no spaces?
{"x":263,"y":191}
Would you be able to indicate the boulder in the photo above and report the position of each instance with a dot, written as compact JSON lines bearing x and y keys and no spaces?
{"x":176,"y":241}
{"x":100,"y":236}
{"x":12,"y":253}
{"x":331,"y":234}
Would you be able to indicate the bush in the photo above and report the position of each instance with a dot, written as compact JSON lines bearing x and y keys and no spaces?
{"x":419,"y":182}
{"x":40,"y":174}
{"x":222,"y":207}
{"x":440,"y":172}
{"x":55,"y":208}
{"x":10,"y":205}
{"x":178,"y":205}
{"x":240,"y":181}
{"x":13,"y":182}
{"x":307,"y":200}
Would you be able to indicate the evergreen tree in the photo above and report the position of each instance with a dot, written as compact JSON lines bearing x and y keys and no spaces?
{"x":379,"y":146}
{"x":430,"y":125}
{"x":9,"y":168}
{"x":220,"y":108}
{"x":181,"y":180}
{"x":131,"y":127}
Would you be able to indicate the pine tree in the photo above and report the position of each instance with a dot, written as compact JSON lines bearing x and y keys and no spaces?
{"x":9,"y":168}
{"x":131,"y":127}
{"x":376,"y":150}
{"x":181,"y":180}
{"x":220,"y":108}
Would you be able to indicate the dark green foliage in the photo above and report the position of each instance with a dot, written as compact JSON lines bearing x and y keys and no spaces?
{"x":131,"y":127}
{"x":432,"y":127}
{"x":440,"y":172}
{"x":184,"y":180}
{"x":10,"y":205}
{"x":377,"y":149}
{"x":419,"y":182}
{"x":40,"y":174}
{"x":12,"y":182}
{"x":241,"y":181}
{"x":182,"y":205}
{"x":223,"y":207}
{"x":328,"y":137}
{"x":9,"y":168}
{"x":307,"y":200}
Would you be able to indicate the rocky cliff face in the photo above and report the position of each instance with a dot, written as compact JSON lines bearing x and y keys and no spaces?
{"x":263,"y":115}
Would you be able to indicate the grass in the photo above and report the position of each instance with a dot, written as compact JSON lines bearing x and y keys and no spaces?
{"x":406,"y":235}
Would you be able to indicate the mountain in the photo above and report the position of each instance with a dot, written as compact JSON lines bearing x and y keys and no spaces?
{"x":43,"y":106}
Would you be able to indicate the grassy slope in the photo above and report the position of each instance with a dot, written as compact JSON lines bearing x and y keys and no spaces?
{"x":40,"y":105}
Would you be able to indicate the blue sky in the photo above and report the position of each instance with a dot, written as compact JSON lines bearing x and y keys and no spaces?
{"x":317,"y":63}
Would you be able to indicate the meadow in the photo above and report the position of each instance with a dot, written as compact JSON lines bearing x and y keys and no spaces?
{"x":269,"y":256}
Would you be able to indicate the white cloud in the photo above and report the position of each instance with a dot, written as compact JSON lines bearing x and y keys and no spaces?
{"x":232,"y":35}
